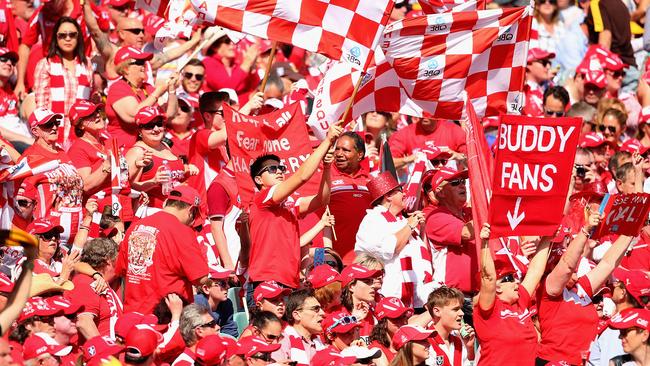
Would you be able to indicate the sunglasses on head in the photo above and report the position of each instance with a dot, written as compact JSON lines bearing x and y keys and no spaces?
{"x":348,"y":319}
{"x":51,"y":235}
{"x":138,"y":62}
{"x":266,"y":357}
{"x":189,"y":75}
{"x":210,"y":324}
{"x":24,"y":203}
{"x":53,"y":123}
{"x":456,"y":182}
{"x":553,"y":113}
{"x":4,"y":59}
{"x":66,"y":35}
{"x":136,"y":31}
{"x":273,"y":169}
{"x":153,"y":124}
{"x":611,"y":129}
{"x":508,"y":278}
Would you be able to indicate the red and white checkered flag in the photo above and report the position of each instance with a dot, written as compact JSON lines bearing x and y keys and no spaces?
{"x":346,"y":30}
{"x":437,"y":57}
{"x":444,"y":6}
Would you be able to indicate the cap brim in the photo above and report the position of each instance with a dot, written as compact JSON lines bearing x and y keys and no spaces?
{"x":144,"y":56}
{"x":585,"y":194}
{"x":344,"y":328}
{"x":61,"y":350}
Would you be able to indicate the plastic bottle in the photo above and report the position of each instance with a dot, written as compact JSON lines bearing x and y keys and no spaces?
{"x":169,"y":185}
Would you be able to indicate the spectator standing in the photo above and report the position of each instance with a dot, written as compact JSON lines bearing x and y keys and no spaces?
{"x":214,"y":296}
{"x":222,"y":71}
{"x":537,"y":76}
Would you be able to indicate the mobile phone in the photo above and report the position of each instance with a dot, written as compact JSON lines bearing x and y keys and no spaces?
{"x":463,"y":331}
{"x":581,"y":171}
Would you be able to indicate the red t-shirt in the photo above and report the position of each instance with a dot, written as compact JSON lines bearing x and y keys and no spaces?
{"x":637,"y":258}
{"x":93,"y":303}
{"x":177,"y":169}
{"x":180,"y":145}
{"x":387,"y":352}
{"x":8,"y":102}
{"x":275,"y":242}
{"x":407,"y":140}
{"x":125,"y":133}
{"x":568,"y":322}
{"x":506,"y":332}
{"x":159,"y":255}
{"x":84,"y":155}
{"x":209,"y":162}
{"x":217,"y":77}
{"x":349,"y":201}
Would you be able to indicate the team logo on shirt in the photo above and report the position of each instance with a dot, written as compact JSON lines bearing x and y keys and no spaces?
{"x":505,"y":313}
{"x":142,"y":244}
{"x":440,"y":360}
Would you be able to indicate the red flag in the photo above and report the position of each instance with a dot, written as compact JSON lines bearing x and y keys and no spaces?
{"x":10,"y":39}
{"x":444,"y":6}
{"x":413,"y":187}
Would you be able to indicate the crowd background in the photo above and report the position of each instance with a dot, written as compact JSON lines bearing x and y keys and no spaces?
{"x":144,"y":253}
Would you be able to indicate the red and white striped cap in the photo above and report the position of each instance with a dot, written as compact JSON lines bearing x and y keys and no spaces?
{"x":147,"y":114}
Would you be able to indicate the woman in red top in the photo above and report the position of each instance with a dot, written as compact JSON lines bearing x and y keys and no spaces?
{"x":222,"y":70}
{"x":502,"y":319}
{"x":153,"y":167}
{"x":567,"y":317}
{"x":131,"y":93}
{"x":391,"y":314}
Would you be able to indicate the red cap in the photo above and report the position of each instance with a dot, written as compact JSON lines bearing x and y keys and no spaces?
{"x":40,"y":344}
{"x":41,"y":116}
{"x":596,"y":189}
{"x":322,"y":276}
{"x":51,"y":306}
{"x":634,"y":145}
{"x":43,"y":225}
{"x":211,"y":350}
{"x":594,"y":139}
{"x":216,"y":273}
{"x":608,"y":59}
{"x":436,"y":153}
{"x":232,"y":346}
{"x":445,"y":174}
{"x":408,"y":333}
{"x":142,"y":341}
{"x":330,"y":356}
{"x":187,"y":194}
{"x":596,"y":77}
{"x":631,"y":317}
{"x":536,"y":54}
{"x":269,"y":290}
{"x":6,"y":285}
{"x":380,"y":185}
{"x":128,"y":321}
{"x":340,"y":322}
{"x":636,"y":282}
{"x":100,"y":347}
{"x":9,"y":53}
{"x":391,"y":308}
{"x":147,"y":114}
{"x":152,"y":23}
{"x":644,"y":115}
{"x":355,"y":272}
{"x":28,"y":190}
{"x":502,"y":263}
{"x":128,"y":52}
{"x":81,"y":109}
{"x":251,"y":345}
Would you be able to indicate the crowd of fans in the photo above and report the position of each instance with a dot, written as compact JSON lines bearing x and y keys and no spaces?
{"x":146,"y":254}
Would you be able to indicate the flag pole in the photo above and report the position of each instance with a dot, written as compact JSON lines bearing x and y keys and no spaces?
{"x":268,"y":66}
{"x":351,"y":102}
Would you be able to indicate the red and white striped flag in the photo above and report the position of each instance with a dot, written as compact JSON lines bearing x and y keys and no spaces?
{"x":345,"y":30}
{"x":25,"y":168}
{"x":444,"y":6}
{"x":437,"y":57}
{"x":413,"y":186}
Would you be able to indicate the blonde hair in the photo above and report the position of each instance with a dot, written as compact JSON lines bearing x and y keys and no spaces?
{"x":120,"y":69}
{"x":604,"y":105}
{"x":369,"y":261}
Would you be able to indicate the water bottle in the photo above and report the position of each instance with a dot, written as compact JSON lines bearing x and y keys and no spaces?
{"x":169,"y":185}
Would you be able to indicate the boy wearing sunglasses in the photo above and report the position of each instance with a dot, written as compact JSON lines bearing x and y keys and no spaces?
{"x":537,"y":75}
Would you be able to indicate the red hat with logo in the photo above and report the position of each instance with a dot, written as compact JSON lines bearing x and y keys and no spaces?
{"x":27,"y":190}
{"x":100,"y":347}
{"x":380,"y":185}
{"x":142,"y":341}
{"x":634,"y":146}
{"x":608,"y":59}
{"x":408,"y":333}
{"x":593,"y":139}
{"x":330,"y":356}
{"x":636,"y":283}
{"x":356,"y":272}
{"x":269,"y":290}
{"x":251,"y":345}
{"x":596,"y":189}
{"x":51,"y":306}
{"x":631,"y":317}
{"x":42,"y":115}
{"x":216,"y":273}
{"x":536,"y":54}
{"x":323,"y":275}
{"x":43,"y":225}
{"x":9,"y":53}
{"x":596,"y":78}
{"x":436,"y":153}
{"x":148,"y":114}
{"x":39,"y":344}
{"x":152,"y":23}
{"x":446,"y":174}
{"x":128,"y":321}
{"x":81,"y":109}
{"x":211,"y":350}
{"x":428,"y":176}
{"x":391,"y":308}
{"x":189,"y":195}
{"x":502,"y":264}
{"x":232,"y":346}
{"x":128,"y":52}
{"x":340,"y":322}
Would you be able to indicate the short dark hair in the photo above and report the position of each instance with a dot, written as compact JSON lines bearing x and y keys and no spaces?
{"x":194,"y":62}
{"x":258,"y":164}
{"x":108,"y":220}
{"x":623,"y":170}
{"x":260,"y":319}
{"x":208,"y":99}
{"x":615,"y":159}
{"x":295,"y":301}
{"x":558,"y":93}
{"x":359,"y":144}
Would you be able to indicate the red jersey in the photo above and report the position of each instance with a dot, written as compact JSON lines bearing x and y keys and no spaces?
{"x":159,"y":255}
{"x":385,"y":350}
{"x":413,"y":138}
{"x":124,"y":132}
{"x":105,"y":308}
{"x":180,"y":145}
{"x":218,"y":77}
{"x":185,"y":359}
{"x":209,"y":162}
{"x":177,"y":169}
{"x":534,"y":106}
{"x":506,"y":332}
{"x":349,"y":200}
{"x":569,"y":322}
{"x":275,"y":241}
{"x":8,"y":102}
{"x":637,"y":258}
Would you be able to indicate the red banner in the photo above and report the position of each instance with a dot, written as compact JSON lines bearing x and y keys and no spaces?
{"x":282,"y":133}
{"x":534,"y":161}
{"x":625,"y":214}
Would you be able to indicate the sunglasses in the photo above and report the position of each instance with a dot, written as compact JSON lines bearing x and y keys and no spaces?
{"x":189,"y":75}
{"x":4,"y":59}
{"x":184,"y":108}
{"x":553,"y":113}
{"x":25,"y":203}
{"x":611,"y":129}
{"x":315,"y":308}
{"x":136,"y":31}
{"x":210,"y":324}
{"x":220,"y":283}
{"x":508,"y":278}
{"x":138,"y":62}
{"x":348,"y":319}
{"x":153,"y":124}
{"x":544,"y":63}
{"x":271,"y":337}
{"x":51,"y":235}
{"x":456,"y":182}
{"x":66,"y":35}
{"x":617,"y":74}
{"x":266,"y":357}
{"x":50,"y":125}
{"x":273,"y":169}
{"x":437,"y":162}
{"x":552,"y":2}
